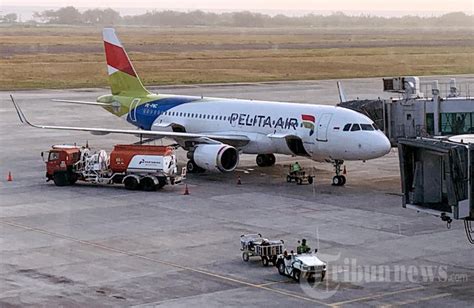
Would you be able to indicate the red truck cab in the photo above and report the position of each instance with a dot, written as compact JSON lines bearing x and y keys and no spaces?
{"x":60,"y":161}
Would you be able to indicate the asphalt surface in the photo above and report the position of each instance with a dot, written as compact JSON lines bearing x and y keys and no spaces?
{"x":89,"y":245}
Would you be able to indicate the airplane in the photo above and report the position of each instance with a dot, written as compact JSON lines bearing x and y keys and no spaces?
{"x":215,"y":131}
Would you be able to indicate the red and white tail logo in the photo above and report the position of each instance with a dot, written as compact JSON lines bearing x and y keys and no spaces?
{"x":117,"y":59}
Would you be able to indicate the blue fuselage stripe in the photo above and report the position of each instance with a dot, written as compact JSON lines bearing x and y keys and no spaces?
{"x":146,"y":114}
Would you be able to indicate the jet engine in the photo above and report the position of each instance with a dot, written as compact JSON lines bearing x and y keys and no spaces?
{"x":216,"y":157}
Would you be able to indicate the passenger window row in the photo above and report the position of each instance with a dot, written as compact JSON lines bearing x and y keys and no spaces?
{"x":186,"y":115}
{"x":355,"y":127}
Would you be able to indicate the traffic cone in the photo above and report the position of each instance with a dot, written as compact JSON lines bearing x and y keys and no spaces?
{"x":186,"y":191}
{"x":239,"y":182}
{"x":344,"y":171}
{"x":9,"y":178}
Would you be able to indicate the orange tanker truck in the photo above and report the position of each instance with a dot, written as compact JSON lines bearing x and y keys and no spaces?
{"x":146,"y":167}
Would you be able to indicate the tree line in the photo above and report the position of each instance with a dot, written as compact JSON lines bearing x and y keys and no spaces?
{"x":72,"y":16}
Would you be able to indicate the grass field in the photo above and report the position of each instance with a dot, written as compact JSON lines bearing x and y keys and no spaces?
{"x":68,"y":57}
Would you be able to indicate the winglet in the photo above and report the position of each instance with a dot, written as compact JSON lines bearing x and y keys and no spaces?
{"x":21,"y":115}
{"x":342,"y":95}
{"x":18,"y":110}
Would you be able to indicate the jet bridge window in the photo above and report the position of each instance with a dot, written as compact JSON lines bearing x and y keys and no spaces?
{"x":366,"y":127}
{"x":355,"y":127}
{"x":347,"y":127}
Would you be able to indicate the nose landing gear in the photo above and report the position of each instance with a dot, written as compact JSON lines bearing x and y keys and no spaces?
{"x":338,"y":179}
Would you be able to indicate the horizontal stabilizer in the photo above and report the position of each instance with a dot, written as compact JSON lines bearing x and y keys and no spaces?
{"x":82,"y":102}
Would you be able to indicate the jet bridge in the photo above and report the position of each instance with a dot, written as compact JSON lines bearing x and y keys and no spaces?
{"x":437,"y":178}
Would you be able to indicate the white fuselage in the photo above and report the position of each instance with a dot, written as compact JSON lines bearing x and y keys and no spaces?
{"x":274,"y":127}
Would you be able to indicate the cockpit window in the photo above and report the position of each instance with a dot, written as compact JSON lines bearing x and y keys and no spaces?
{"x":355,"y":127}
{"x":347,"y":127}
{"x":366,"y":127}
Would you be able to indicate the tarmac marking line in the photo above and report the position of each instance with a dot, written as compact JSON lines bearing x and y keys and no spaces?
{"x":415,"y":301}
{"x":272,"y":283}
{"x":131,"y":254}
{"x":366,"y":298}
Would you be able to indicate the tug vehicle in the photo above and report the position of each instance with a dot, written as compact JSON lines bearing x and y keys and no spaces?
{"x":306,"y":265}
{"x":299,"y":177}
{"x":146,"y":167}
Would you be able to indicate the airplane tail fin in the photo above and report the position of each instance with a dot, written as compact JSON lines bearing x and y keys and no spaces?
{"x":123,"y":78}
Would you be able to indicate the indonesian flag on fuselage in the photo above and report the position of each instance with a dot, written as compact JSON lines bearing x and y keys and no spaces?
{"x":308,"y":122}
{"x":117,"y":59}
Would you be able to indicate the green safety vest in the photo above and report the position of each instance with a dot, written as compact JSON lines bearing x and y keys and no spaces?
{"x":296,"y":167}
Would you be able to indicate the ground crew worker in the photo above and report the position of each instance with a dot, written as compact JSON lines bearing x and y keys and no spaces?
{"x":295,"y":168}
{"x":303,"y":248}
{"x":286,"y":259}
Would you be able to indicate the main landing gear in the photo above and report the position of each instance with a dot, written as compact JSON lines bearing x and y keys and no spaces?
{"x":191,"y":167}
{"x":265,"y":160}
{"x":338,"y":179}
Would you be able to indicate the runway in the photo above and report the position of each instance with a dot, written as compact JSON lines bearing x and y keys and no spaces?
{"x":87,"y":245}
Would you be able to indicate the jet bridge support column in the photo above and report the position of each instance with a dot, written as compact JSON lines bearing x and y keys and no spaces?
{"x":435,"y":92}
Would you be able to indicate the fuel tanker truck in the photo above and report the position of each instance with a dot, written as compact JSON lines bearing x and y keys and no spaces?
{"x":146,"y":167}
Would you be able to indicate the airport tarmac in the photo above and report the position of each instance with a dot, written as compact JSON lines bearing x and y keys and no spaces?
{"x":87,"y":245}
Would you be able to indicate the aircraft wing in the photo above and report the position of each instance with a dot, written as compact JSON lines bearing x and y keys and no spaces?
{"x":282,"y":136}
{"x":236,"y":140}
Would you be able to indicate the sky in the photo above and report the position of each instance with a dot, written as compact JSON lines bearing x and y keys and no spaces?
{"x":408,"y":6}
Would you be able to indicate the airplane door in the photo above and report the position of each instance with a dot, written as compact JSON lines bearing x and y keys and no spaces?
{"x":323,"y":125}
{"x":133,"y":109}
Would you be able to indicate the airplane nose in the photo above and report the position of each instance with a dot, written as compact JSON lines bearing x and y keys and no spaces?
{"x":383,"y":145}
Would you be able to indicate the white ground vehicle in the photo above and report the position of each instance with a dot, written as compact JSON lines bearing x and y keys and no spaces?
{"x":307,"y":266}
{"x":256,"y":245}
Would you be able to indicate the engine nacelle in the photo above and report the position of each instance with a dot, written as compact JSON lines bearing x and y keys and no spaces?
{"x":216,"y":157}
